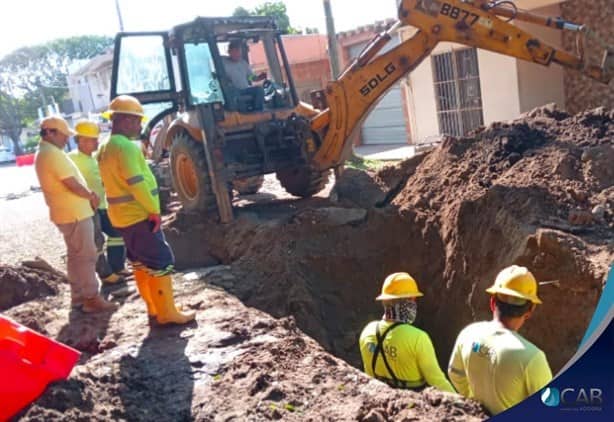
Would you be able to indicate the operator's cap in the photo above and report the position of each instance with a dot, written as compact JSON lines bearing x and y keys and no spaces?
{"x":58,"y":123}
{"x":399,"y":286}
{"x":515,"y":285}
{"x":87,"y":129}
{"x":125,"y":104}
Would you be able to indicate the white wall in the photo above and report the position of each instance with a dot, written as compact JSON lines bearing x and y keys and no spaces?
{"x":499,"y":86}
{"x":539,"y":85}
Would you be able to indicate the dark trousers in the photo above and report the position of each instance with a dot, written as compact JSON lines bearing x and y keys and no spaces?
{"x":147,"y":248}
{"x":112,"y":260}
{"x":257,"y":93}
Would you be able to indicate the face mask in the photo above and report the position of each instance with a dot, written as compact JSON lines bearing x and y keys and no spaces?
{"x":402,"y":311}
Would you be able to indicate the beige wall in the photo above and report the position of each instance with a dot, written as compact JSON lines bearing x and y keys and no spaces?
{"x":539,"y":85}
{"x":499,"y":86}
{"x":509,"y":87}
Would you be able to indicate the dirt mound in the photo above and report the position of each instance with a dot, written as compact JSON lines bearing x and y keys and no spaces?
{"x":536,"y":191}
{"x":234,"y":362}
{"x":31,"y":280}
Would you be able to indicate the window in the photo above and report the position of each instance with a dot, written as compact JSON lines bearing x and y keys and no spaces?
{"x":457,"y":89}
{"x":204,"y":86}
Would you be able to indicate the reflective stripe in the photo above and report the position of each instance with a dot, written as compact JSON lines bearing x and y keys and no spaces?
{"x":120,"y":199}
{"x":456,"y":371}
{"x":159,"y":273}
{"x":115,"y":241}
{"x":127,"y":198}
{"x":134,"y":180}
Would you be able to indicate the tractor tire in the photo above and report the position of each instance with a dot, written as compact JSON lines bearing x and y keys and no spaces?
{"x":248,"y":185}
{"x":302,"y":181}
{"x":190,"y":174}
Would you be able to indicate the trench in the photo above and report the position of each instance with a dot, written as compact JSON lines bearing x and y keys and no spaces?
{"x":302,"y":262}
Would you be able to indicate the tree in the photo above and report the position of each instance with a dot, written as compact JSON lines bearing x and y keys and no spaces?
{"x":241,"y":12}
{"x":274,"y":9}
{"x":11,"y":119}
{"x":31,"y":76}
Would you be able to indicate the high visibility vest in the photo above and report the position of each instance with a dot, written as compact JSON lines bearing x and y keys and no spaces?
{"x":131,"y":188}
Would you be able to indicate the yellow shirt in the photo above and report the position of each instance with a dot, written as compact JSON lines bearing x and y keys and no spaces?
{"x":52,"y":166}
{"x":88,"y":166}
{"x":409,"y":352}
{"x":131,"y":188}
{"x":496,"y":366}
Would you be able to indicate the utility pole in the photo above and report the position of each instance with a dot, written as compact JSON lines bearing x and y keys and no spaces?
{"x":119,"y":16}
{"x":332,"y":39}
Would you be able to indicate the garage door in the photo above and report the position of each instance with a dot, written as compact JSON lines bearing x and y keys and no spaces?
{"x":386,"y":123}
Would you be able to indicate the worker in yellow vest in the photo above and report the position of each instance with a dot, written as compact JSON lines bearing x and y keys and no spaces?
{"x":392,"y":349}
{"x":71,"y":204}
{"x":110,"y":268}
{"x":134,"y":209}
{"x":490,"y":361}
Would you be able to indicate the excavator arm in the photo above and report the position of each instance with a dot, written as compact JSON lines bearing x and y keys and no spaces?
{"x":477,"y":23}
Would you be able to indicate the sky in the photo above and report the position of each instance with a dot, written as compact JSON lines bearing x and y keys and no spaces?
{"x":32,"y":22}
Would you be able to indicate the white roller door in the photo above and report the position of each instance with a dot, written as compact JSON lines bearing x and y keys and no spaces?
{"x":386,"y":123}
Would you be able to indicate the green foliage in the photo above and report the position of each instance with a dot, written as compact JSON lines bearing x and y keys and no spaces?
{"x":241,"y":12}
{"x":275,"y":9}
{"x":359,"y":163}
{"x":27,"y":69}
{"x":33,"y":76}
{"x":31,"y":144}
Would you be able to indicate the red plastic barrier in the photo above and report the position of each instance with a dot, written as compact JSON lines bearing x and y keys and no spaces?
{"x":24,"y":160}
{"x":29,"y":361}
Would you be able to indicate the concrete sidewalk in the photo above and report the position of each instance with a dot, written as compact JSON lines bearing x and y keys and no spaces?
{"x":385,"y":152}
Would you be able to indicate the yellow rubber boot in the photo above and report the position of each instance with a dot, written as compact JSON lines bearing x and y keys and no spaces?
{"x":162,"y":295}
{"x":143,"y":284}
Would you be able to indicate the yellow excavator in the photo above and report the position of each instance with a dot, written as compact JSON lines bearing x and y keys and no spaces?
{"x":219,"y":137}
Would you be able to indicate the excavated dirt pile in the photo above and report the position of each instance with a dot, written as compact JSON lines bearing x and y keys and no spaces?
{"x":31,"y":280}
{"x":536,"y":192}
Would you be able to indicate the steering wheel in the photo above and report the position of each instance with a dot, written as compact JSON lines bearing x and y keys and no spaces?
{"x":269,"y":88}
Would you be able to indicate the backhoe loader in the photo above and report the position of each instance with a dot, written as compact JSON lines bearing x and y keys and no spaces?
{"x":218,"y":139}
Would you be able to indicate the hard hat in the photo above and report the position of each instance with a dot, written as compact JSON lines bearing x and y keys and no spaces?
{"x":398,"y":286}
{"x":87,"y":129}
{"x":124,"y":104}
{"x":58,"y":123}
{"x":517,"y":282}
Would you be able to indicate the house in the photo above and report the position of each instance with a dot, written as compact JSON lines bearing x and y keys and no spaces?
{"x":308,"y":55}
{"x":308,"y":58}
{"x":90,"y":85}
{"x":459,"y":88}
{"x":388,"y":122}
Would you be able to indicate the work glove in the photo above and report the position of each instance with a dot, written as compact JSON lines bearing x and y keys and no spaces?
{"x":155,"y":221}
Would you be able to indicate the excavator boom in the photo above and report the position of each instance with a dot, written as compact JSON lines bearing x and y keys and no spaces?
{"x":476,"y":23}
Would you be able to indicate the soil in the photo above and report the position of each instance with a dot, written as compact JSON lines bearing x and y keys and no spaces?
{"x":290,"y":283}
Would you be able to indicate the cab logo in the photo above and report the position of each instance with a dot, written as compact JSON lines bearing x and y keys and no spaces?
{"x":572,"y":397}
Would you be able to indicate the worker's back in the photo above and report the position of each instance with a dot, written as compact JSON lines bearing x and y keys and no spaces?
{"x":409,"y":353}
{"x":497,"y":366}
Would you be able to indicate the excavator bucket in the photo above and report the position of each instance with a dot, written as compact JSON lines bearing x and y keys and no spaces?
{"x":29,"y":361}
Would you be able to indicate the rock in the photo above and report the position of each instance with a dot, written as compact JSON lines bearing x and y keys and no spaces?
{"x":580,"y":218}
{"x":333,"y":216}
{"x":598,"y":212}
{"x":375,"y":415}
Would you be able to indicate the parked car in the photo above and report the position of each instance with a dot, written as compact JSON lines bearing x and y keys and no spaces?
{"x":6,"y":155}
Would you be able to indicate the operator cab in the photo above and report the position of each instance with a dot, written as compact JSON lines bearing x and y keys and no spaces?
{"x":177,"y":70}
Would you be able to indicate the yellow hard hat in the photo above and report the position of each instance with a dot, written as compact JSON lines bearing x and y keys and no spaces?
{"x":58,"y":123}
{"x":517,"y":282}
{"x":124,"y":104}
{"x":398,"y":286}
{"x":87,"y":129}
